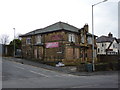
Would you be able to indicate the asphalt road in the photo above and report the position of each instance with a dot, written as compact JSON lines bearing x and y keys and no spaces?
{"x":17,"y":75}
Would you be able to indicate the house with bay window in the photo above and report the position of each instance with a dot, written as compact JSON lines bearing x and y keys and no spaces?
{"x":59,"y":42}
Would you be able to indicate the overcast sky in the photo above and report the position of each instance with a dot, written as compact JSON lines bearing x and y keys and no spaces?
{"x":28,"y":15}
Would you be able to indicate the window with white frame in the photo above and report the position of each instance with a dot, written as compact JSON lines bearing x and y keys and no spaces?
{"x":28,"y":40}
{"x":71,"y":37}
{"x":38,"y":39}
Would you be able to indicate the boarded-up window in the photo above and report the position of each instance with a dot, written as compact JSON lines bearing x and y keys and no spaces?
{"x":69,"y":53}
{"x":35,"y":53}
{"x":77,"y":53}
{"x":89,"y":53}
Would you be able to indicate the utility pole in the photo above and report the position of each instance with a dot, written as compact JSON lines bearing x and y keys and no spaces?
{"x":14,"y":41}
{"x":93,"y":34}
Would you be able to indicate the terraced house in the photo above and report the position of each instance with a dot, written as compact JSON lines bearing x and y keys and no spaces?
{"x":59,"y":42}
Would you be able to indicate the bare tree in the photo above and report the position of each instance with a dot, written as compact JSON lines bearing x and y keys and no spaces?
{"x":4,"y":39}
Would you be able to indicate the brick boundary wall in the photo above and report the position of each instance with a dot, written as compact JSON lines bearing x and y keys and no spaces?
{"x":108,"y":58}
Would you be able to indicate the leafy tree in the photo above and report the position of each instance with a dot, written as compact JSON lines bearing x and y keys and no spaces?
{"x":17,"y":43}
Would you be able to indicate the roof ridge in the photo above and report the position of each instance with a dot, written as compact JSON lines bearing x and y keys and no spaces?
{"x":107,"y":37}
{"x":54,"y":27}
{"x":50,"y":25}
{"x":70,"y":25}
{"x":60,"y":24}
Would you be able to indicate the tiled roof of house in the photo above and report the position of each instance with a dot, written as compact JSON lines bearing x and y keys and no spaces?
{"x":105,"y":39}
{"x":54,"y":27}
{"x":118,"y":40}
{"x":89,"y":34}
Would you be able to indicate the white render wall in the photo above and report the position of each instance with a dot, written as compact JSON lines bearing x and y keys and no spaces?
{"x":103,"y":46}
{"x":119,"y":47}
{"x":114,"y":46}
{"x":102,"y":49}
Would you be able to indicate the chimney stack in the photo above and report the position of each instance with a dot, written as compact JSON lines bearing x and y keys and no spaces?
{"x":86,"y":27}
{"x":110,"y":35}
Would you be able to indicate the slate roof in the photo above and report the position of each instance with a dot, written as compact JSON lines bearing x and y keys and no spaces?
{"x":54,"y":27}
{"x":89,"y":34}
{"x":118,"y":40}
{"x":105,"y":39}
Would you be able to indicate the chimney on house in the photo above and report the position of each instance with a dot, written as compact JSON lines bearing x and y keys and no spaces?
{"x":86,"y":27}
{"x":110,"y":35}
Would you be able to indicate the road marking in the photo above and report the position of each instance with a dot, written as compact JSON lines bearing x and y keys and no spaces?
{"x":19,"y":67}
{"x":69,"y":75}
{"x":33,"y":71}
{"x":62,"y":75}
{"x":58,"y":76}
{"x":39,"y":73}
{"x":86,"y":86}
{"x":66,"y":75}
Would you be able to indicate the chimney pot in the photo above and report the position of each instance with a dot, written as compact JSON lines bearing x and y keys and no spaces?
{"x":110,"y":35}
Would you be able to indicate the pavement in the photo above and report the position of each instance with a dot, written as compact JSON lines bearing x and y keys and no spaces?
{"x":65,"y":69}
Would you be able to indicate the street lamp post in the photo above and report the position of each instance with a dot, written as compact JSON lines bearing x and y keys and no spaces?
{"x":14,"y":41}
{"x":93,"y":33}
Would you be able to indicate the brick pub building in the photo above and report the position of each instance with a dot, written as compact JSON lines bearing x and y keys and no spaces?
{"x":59,"y":42}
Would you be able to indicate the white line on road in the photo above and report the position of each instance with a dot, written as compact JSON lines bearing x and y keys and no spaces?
{"x":39,"y":73}
{"x":19,"y":67}
{"x":69,"y":75}
{"x":61,"y":75}
{"x":33,"y":71}
{"x":87,"y":86}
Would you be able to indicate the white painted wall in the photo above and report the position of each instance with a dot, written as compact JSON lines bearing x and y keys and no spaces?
{"x":114,"y":46}
{"x":119,"y":47}
{"x":103,"y":46}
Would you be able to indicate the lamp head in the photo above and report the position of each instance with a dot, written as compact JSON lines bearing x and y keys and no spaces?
{"x":105,"y":0}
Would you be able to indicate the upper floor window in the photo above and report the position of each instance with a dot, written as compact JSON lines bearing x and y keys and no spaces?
{"x":115,"y":45}
{"x":28,"y":41}
{"x":89,"y":39}
{"x":98,"y":50}
{"x":82,"y":38}
{"x":38,"y":39}
{"x":71,"y":37}
{"x":102,"y":45}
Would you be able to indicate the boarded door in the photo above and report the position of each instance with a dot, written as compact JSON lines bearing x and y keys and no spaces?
{"x":69,"y":53}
